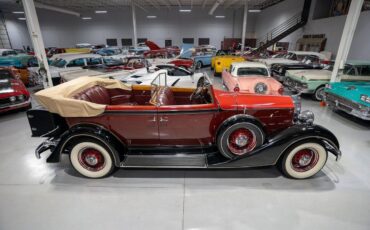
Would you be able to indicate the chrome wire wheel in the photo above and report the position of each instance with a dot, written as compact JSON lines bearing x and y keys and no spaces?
{"x":319,"y":93}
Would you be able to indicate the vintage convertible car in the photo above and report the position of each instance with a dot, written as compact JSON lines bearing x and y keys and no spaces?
{"x":350,"y":97}
{"x":103,"y":124}
{"x":222,"y":63}
{"x":314,"y":81}
{"x":13,"y":93}
{"x":294,"y":57}
{"x":251,"y":77}
{"x":201,"y":56}
{"x":219,"y":53}
{"x":309,"y":62}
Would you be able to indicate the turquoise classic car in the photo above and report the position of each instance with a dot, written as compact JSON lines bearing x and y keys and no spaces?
{"x":313,"y":81}
{"x":350,"y":97}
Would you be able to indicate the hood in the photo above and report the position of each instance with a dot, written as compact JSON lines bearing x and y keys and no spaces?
{"x":310,"y":75}
{"x":6,"y":86}
{"x":241,"y":101}
{"x":270,"y":61}
{"x":351,"y":90}
{"x":152,"y":45}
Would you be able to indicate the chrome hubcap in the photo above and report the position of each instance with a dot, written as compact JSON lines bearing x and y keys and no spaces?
{"x":91,"y":160}
{"x":241,"y":140}
{"x":305,"y":160}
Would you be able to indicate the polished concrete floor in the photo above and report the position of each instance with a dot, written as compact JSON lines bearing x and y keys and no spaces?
{"x":36,"y":195}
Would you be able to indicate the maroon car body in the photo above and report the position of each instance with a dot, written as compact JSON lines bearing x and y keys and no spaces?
{"x":160,"y":126}
{"x":13,"y":93}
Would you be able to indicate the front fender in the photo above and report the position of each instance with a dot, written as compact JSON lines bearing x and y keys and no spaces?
{"x":86,"y":130}
{"x":270,"y":152}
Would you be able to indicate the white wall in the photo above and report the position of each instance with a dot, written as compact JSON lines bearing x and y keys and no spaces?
{"x":63,"y":30}
{"x":332,"y":28}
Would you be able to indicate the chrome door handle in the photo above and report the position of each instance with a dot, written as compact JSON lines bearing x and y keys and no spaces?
{"x":153,"y":120}
{"x":165,"y":119}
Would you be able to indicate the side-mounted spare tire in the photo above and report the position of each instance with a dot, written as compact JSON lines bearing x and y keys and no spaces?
{"x":239,"y":139}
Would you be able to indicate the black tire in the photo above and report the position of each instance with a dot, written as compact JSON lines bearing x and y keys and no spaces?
{"x":97,"y":163}
{"x":318,"y":93}
{"x":291,"y":169}
{"x":198,"y":65}
{"x":229,"y":149}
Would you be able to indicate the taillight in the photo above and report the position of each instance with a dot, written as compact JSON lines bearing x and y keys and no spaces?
{"x":281,"y":90}
{"x":324,"y":62}
{"x":236,"y":89}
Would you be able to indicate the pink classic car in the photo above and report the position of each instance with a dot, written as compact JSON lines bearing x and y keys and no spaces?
{"x":251,"y":77}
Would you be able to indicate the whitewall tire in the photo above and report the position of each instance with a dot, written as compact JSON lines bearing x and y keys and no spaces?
{"x":304,"y":160}
{"x":91,"y":159}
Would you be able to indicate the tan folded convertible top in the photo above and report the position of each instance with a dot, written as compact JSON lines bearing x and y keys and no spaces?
{"x":59,"y":99}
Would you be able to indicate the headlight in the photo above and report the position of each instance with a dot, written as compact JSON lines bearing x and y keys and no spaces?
{"x":260,"y":88}
{"x":12,"y":99}
{"x":21,"y":97}
{"x":281,"y":70}
{"x":365,"y":98}
{"x":297,"y":104}
{"x":306,"y":116}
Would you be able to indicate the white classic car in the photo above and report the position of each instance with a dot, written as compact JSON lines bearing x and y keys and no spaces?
{"x":115,"y":53}
{"x":293,"y":57}
{"x":66,"y":62}
{"x":313,"y":81}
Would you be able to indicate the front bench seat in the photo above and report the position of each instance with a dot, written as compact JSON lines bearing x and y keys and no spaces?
{"x":163,"y":96}
{"x":97,"y":94}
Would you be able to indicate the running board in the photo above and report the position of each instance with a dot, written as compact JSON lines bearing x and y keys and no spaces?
{"x":165,"y":161}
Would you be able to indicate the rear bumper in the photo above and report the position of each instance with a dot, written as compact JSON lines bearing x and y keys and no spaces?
{"x":9,"y":107}
{"x":348,"y":106}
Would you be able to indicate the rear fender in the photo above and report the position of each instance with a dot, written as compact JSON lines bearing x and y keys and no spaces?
{"x":88,"y":130}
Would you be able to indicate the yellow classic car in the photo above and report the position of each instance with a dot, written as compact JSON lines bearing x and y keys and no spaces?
{"x":219,"y":63}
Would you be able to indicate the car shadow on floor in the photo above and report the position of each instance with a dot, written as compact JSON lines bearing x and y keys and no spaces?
{"x":345,"y":117}
{"x":256,"y":178}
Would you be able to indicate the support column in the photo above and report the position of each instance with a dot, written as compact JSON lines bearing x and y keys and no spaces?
{"x":37,"y":42}
{"x":244,"y":29}
{"x":133,"y":22}
{"x":347,"y":36}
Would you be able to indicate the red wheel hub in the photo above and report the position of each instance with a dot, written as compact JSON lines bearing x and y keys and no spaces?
{"x":304,"y":160}
{"x":91,"y":159}
{"x":241,"y":141}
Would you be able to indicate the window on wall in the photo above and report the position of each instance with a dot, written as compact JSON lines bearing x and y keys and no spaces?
{"x":188,"y":40}
{"x":203,"y":41}
{"x":126,"y":41}
{"x":112,"y":41}
{"x":167,"y":42}
{"x":142,"y":40}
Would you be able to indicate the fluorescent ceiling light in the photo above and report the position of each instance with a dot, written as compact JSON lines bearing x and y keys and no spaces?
{"x":219,"y":16}
{"x":18,"y":12}
{"x":23,"y":19}
{"x":254,"y":11}
{"x":151,"y":16}
{"x":101,"y":11}
{"x":185,"y":10}
{"x":86,"y":18}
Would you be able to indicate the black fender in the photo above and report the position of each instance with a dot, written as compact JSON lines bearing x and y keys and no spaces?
{"x":88,"y":130}
{"x":240,"y":118}
{"x":270,"y":152}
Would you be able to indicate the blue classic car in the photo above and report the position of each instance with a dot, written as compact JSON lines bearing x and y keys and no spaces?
{"x":350,"y":97}
{"x":201,"y":56}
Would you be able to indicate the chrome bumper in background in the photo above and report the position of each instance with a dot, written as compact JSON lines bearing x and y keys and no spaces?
{"x":296,"y":86}
{"x":348,"y":106}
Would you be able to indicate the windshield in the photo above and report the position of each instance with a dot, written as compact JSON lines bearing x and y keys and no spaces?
{"x":5,"y":75}
{"x":58,"y":63}
{"x":328,"y":67}
{"x":252,"y":71}
{"x":9,"y":52}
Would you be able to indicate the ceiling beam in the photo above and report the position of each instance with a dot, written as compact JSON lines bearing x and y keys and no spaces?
{"x":165,"y":3}
{"x":152,"y":3}
{"x":141,"y":7}
{"x":179,"y":3}
{"x":215,"y":5}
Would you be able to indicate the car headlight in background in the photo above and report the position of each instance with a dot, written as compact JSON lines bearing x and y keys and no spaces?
{"x":281,"y":70}
{"x":365,"y":98}
{"x":21,"y":97}
{"x":12,"y":99}
{"x":260,"y":88}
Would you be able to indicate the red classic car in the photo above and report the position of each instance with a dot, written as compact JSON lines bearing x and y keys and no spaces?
{"x":156,"y":51}
{"x":13,"y":93}
{"x":182,"y":62}
{"x":251,"y":77}
{"x":103,"y":124}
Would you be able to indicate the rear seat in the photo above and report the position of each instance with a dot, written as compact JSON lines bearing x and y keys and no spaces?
{"x":97,"y":94}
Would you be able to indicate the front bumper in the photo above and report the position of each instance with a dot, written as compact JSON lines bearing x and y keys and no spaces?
{"x":296,"y":86}
{"x":348,"y":106}
{"x":11,"y":106}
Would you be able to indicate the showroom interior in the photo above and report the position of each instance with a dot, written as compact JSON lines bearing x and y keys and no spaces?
{"x":184,"y":114}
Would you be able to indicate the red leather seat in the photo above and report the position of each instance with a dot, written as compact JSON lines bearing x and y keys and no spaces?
{"x":96,"y":94}
{"x":99,"y":95}
{"x":163,"y":96}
